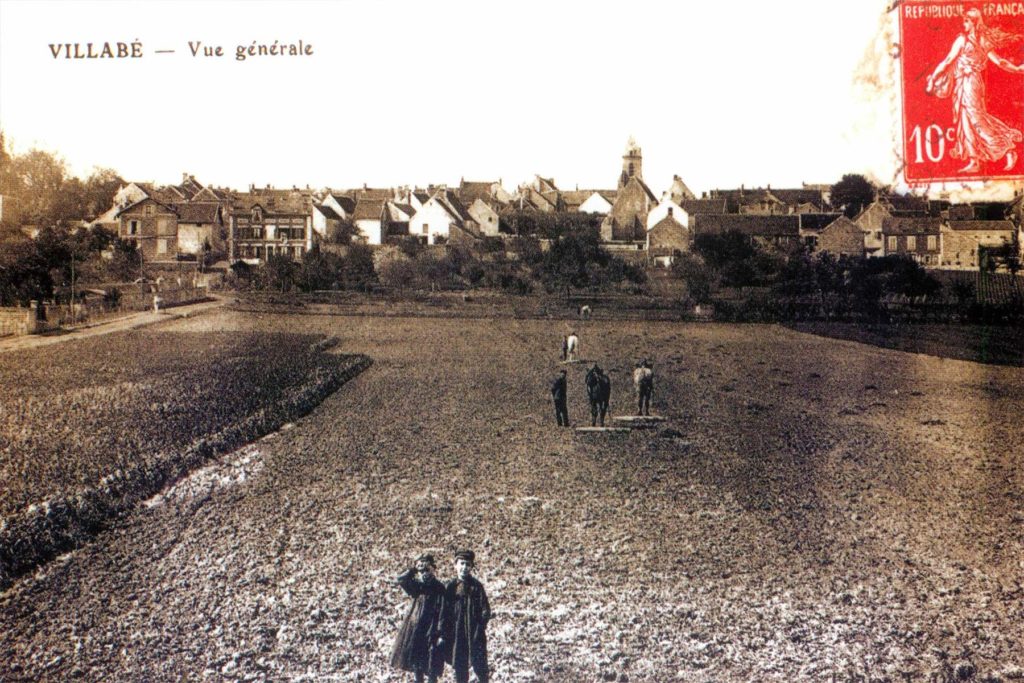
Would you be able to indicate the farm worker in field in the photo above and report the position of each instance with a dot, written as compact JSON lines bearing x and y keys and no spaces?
{"x":464,"y":622}
{"x":585,"y":312}
{"x":572,"y":347}
{"x":565,"y":347}
{"x":643,"y":381}
{"x":416,"y":648}
{"x":559,"y":395}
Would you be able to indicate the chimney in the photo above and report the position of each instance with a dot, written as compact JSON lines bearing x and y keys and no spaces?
{"x":670,"y":212}
{"x":252,"y":187}
{"x":184,"y":177}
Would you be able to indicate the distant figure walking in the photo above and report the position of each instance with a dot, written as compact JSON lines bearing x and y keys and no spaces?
{"x":565,"y":347}
{"x":415,"y":647}
{"x":643,"y":381}
{"x":558,"y":395}
{"x":585,"y":312}
{"x":572,"y":347}
{"x":599,"y":391}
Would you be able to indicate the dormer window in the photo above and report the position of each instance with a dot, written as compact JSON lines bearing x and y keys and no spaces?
{"x":257,"y":214}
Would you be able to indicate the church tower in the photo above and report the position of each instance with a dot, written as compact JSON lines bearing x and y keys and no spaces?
{"x":632,"y":163}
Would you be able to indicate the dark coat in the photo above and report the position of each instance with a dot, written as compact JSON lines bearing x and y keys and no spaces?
{"x":464,"y":624}
{"x":414,"y":648}
{"x":558,"y":389}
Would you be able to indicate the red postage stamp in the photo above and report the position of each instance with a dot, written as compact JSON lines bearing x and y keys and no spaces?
{"x":963,"y":90}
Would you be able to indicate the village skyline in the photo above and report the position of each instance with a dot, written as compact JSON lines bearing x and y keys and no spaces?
{"x":455,"y":91}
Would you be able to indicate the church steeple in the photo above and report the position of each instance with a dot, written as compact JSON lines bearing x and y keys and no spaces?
{"x":632,"y":163}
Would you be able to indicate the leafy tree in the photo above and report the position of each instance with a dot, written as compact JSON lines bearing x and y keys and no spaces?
{"x":35,"y":181}
{"x":852,"y":193}
{"x":358,"y":264}
{"x":698,"y":276}
{"x":394,"y":269}
{"x":126,"y":262}
{"x":280,"y":272}
{"x":320,"y":270}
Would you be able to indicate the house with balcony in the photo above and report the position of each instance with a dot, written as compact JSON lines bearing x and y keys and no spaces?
{"x":270,"y":222}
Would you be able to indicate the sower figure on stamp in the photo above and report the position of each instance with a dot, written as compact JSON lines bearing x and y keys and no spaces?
{"x":416,"y":647}
{"x":979,"y":135}
{"x":559,"y":396}
{"x":464,"y":624}
{"x":643,"y":381}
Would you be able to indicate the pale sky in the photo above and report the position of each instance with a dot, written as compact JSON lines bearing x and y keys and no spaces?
{"x":721,"y":93}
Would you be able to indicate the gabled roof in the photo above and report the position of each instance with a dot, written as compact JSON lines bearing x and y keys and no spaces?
{"x":546,"y":184}
{"x":643,"y":186}
{"x":197,"y":212}
{"x":817,"y":221}
{"x":749,"y":224}
{"x":345,"y":202}
{"x":450,"y":201}
{"x":668,"y":222}
{"x":328,"y":212}
{"x":422,"y":196}
{"x":679,"y":188}
{"x":371,"y":193}
{"x":469,"y":192}
{"x":910,"y":225}
{"x":400,"y":212}
{"x":840,"y":223}
{"x":368,"y":210}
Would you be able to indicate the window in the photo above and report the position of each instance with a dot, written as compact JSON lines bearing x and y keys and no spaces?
{"x":426,"y":228}
{"x":133,"y":228}
{"x":892,"y":243}
{"x":149,"y":209}
{"x":931,"y":242}
{"x":911,"y":242}
{"x":161,"y":246}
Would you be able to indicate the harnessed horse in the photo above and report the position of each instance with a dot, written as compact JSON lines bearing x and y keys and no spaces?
{"x":599,"y":391}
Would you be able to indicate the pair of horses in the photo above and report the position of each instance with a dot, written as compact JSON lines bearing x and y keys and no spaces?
{"x":599,"y":391}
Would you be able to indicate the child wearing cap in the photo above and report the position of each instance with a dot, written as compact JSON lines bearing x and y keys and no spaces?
{"x":464,"y":621}
{"x":415,"y":647}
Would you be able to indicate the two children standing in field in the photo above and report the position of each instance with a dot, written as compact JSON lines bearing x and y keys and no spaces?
{"x":445,"y":623}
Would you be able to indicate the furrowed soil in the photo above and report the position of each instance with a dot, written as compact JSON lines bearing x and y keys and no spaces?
{"x":812,"y":509}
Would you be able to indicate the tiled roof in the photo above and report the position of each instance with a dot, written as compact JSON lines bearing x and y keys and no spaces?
{"x":817,"y":221}
{"x":449,"y":198}
{"x":371,"y":193}
{"x":667,"y":222}
{"x":695,"y":207}
{"x":404,"y":211}
{"x":907,"y":203}
{"x":986,"y":226}
{"x":273,"y":201}
{"x":345,"y":202}
{"x":328,"y":212}
{"x":910,"y":225}
{"x":197,"y":212}
{"x":469,"y":192}
{"x":368,"y":209}
{"x":423,"y":197}
{"x":748,"y":224}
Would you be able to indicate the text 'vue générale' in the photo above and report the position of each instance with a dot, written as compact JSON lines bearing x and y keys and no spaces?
{"x":135,"y":50}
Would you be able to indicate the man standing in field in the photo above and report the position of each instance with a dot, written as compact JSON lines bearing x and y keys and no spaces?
{"x":559,"y":395}
{"x":643,"y":381}
{"x":464,"y":621}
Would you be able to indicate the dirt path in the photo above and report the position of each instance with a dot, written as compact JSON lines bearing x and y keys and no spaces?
{"x":833,"y":509}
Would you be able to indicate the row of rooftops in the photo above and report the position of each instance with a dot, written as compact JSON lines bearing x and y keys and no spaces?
{"x":194,"y":202}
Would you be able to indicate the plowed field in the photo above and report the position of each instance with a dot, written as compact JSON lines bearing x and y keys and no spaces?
{"x":811,"y":509}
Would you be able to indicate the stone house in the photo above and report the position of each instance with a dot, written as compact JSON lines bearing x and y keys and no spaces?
{"x":918,"y":237}
{"x":151,"y":224}
{"x":964,"y":241}
{"x":270,"y":222}
{"x":627,"y":220}
{"x":841,"y":237}
{"x":200,"y":227}
{"x":666,"y":239}
{"x":782,"y":231}
{"x":667,"y":207}
{"x":678,"y":192}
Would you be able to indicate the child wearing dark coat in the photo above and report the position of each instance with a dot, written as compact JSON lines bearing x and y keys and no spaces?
{"x":415,"y":647}
{"x":464,"y":623}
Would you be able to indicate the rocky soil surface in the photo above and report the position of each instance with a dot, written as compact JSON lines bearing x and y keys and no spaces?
{"x":812,"y":510}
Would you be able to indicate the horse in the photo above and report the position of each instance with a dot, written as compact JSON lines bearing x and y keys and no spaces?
{"x":599,"y":391}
